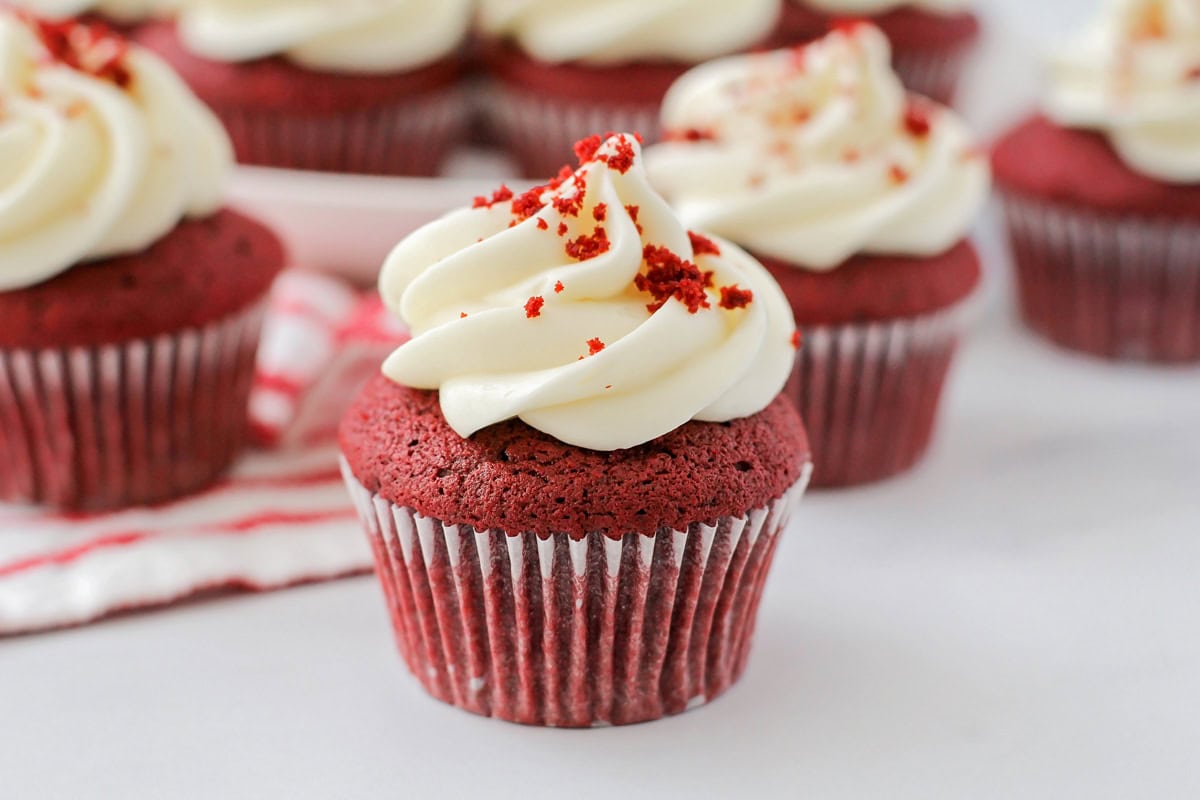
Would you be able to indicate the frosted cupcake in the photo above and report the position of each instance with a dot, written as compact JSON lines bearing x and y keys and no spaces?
{"x":564,"y":69}
{"x":365,"y":86}
{"x":858,"y":198}
{"x":930,"y":38}
{"x":1102,"y":190}
{"x":575,"y":474}
{"x":130,"y":302}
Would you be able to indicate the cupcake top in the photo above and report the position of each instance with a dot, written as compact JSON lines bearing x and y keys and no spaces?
{"x":356,"y":36}
{"x":103,"y":149}
{"x":587,"y":310}
{"x":1134,"y":75}
{"x":117,"y":10}
{"x":816,"y":154}
{"x":623,"y":31}
{"x":880,"y":6}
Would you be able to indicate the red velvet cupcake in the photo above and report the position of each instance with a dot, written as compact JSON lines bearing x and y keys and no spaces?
{"x":930,"y":38}
{"x":858,"y":199}
{"x":1102,"y":193}
{"x":130,"y":304}
{"x":574,"y":476}
{"x":564,"y":69}
{"x":365,"y":88}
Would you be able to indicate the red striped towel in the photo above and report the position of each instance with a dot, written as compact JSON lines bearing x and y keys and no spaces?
{"x":281,"y":518}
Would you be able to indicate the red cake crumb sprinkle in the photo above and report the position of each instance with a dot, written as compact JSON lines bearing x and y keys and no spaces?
{"x":735,"y":297}
{"x":570,"y":204}
{"x":917,"y":120}
{"x":600,"y":212}
{"x":558,"y":287}
{"x":90,"y":48}
{"x":898,"y":174}
{"x":633,"y":212}
{"x":501,"y":195}
{"x":622,"y":160}
{"x":702,"y":245}
{"x":690,"y":135}
{"x":797,"y":339}
{"x":594,"y":346}
{"x":668,"y":276}
{"x":529,"y":203}
{"x":533,"y":308}
{"x":1194,"y":73}
{"x":462,"y":315}
{"x":542,"y":224}
{"x":587,"y":247}
{"x":562,"y":229}
{"x":609,"y":386}
{"x":847,"y":25}
{"x":851,"y":156}
{"x":586,"y":149}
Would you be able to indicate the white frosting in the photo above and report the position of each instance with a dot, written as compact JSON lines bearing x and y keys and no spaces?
{"x":620,"y":31}
{"x":88,"y":169}
{"x":361,"y":36}
{"x":1135,"y":76}
{"x":856,"y":7}
{"x":657,"y":370}
{"x":813,"y":158}
{"x":118,"y":10}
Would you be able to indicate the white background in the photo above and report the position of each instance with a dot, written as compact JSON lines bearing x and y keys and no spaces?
{"x":1017,"y":619}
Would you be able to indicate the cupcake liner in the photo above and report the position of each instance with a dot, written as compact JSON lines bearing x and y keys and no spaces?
{"x":410,"y":137}
{"x":540,"y":132}
{"x":1114,"y":286}
{"x":932,"y":73}
{"x":869,"y":393}
{"x":126,"y":424}
{"x":572,"y":632}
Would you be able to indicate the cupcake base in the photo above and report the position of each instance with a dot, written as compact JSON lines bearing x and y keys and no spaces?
{"x":572,"y":632}
{"x":127,"y":424}
{"x":1118,"y":287}
{"x":869,"y":393}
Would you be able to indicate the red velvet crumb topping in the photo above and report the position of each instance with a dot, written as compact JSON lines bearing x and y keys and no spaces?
{"x":797,"y":339}
{"x":562,"y":229}
{"x":533,"y":308}
{"x":847,"y":25}
{"x":633,"y":212}
{"x":91,"y":48}
{"x":735,"y":297}
{"x":558,"y":287}
{"x":668,"y":276}
{"x":587,"y":247}
{"x":542,"y":224}
{"x":600,"y":212}
{"x":595,"y":346}
{"x":917,"y":120}
{"x":702,"y":245}
{"x":690,"y":135}
{"x":898,"y":174}
{"x":501,"y":195}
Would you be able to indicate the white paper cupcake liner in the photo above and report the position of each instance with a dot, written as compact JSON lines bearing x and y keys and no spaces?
{"x":126,"y":424}
{"x":1120,"y":287}
{"x":869,"y":393}
{"x":572,"y":632}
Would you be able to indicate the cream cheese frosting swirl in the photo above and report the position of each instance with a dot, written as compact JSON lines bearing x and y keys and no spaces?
{"x":621,"y":31}
{"x":880,"y":6}
{"x":117,"y":10}
{"x":356,"y":36}
{"x":817,"y":154}
{"x":586,"y":309}
{"x":1134,"y":75}
{"x":103,"y":149}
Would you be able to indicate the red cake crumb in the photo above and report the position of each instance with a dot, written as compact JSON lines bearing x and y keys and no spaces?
{"x":586,"y":247}
{"x":586,"y":149}
{"x":797,"y":339}
{"x":622,"y":160}
{"x":570,"y":204}
{"x":542,"y":224}
{"x":847,"y":25}
{"x":702,"y":245}
{"x":558,"y":287}
{"x":690,"y":135}
{"x":501,"y":195}
{"x":898,"y":174}
{"x":595,"y":346}
{"x":533,"y":307}
{"x":917,"y":120}
{"x":669,"y":276}
{"x":562,"y":229}
{"x":633,"y":212}
{"x":735,"y":297}
{"x":600,"y":212}
{"x":462,"y":315}
{"x":529,"y":203}
{"x":91,"y":48}
{"x":1194,"y":73}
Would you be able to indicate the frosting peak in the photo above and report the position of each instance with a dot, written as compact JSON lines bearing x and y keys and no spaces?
{"x":585,"y":308}
{"x":816,"y":154}
{"x":103,"y":149}
{"x":620,"y":31}
{"x":1135,"y":76}
{"x":357,"y":36}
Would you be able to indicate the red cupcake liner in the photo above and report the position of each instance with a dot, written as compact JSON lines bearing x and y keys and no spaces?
{"x":932,"y":73}
{"x":569,"y":632}
{"x":126,"y":424}
{"x":412,"y":137}
{"x":540,"y":131}
{"x":869,"y":393}
{"x":1118,"y":287}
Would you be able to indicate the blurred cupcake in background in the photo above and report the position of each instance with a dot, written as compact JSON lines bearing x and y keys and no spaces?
{"x":575,"y":474}
{"x":564,"y":69}
{"x":130,"y":302}
{"x":930,"y":38}
{"x":363,"y":86}
{"x":123,"y":14}
{"x":858,"y":198}
{"x":1102,"y":190}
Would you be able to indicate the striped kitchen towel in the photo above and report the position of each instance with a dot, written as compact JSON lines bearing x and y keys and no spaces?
{"x":282,"y":517}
